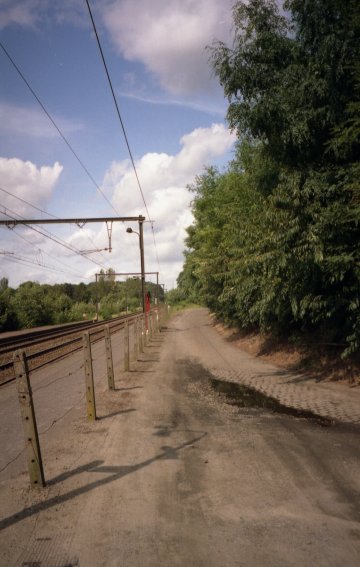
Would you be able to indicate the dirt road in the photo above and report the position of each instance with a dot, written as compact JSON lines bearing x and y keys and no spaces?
{"x":174,"y":474}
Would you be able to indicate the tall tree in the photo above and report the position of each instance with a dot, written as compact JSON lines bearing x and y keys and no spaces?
{"x":292,"y":261}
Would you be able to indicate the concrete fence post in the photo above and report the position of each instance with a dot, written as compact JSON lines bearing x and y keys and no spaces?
{"x":141,"y":329}
{"x":136,"y":339}
{"x":33,"y":453}
{"x":89,"y":379}
{"x":150,"y":325}
{"x":109,"y":359}
{"x":146,"y":329}
{"x":126,"y":347}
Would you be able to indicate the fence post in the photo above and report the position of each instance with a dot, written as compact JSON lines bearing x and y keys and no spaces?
{"x":136,"y":339}
{"x":153,"y":328}
{"x":146,"y":330}
{"x":89,"y":378}
{"x":33,"y":452}
{"x":109,"y":359}
{"x":141,"y":333}
{"x":150,"y":321}
{"x":126,"y":347}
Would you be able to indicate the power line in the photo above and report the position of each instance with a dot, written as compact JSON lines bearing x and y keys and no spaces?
{"x":49,"y":235}
{"x":69,"y":270}
{"x":42,"y":211}
{"x":27,"y":203}
{"x":18,"y":70}
{"x":122,"y":126}
{"x":117,"y":107}
{"x":56,"y":126}
{"x":23,"y":261}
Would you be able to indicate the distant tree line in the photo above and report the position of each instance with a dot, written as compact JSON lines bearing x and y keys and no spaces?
{"x":33,"y":304}
{"x":275,"y":242}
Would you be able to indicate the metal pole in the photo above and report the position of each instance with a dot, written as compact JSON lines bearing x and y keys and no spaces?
{"x":78,"y":221}
{"x":141,"y":243}
{"x":132,"y":273}
{"x":97,"y":297}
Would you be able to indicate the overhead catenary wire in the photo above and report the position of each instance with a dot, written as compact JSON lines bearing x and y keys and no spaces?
{"x":56,"y":126}
{"x":69,"y":270}
{"x":23,"y":261}
{"x":117,"y":107}
{"x":44,"y":212}
{"x":27,"y":83}
{"x":27,"y":203}
{"x":49,"y":235}
{"x":122,"y":125}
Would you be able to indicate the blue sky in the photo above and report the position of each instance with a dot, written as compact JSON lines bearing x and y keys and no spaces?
{"x":173,"y":111}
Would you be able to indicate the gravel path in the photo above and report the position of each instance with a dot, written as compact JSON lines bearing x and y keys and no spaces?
{"x":172,"y":473}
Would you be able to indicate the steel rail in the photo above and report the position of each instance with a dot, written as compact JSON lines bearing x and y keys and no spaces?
{"x":96,"y":334}
{"x":8,"y":344}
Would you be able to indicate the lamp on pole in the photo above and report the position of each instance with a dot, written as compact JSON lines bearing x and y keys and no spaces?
{"x":142,"y":261}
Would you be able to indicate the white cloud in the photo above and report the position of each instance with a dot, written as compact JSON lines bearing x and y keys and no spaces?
{"x":28,"y":182}
{"x":163,"y":179}
{"x":169,"y":38}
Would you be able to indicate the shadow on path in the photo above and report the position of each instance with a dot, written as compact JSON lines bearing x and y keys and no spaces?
{"x":130,"y":388}
{"x":114,"y":473}
{"x":100,"y":418}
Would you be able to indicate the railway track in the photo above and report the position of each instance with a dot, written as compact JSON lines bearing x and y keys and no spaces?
{"x":48,"y":345}
{"x":25,"y":339}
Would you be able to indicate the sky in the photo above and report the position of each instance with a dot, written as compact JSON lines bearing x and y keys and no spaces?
{"x":172,"y":108}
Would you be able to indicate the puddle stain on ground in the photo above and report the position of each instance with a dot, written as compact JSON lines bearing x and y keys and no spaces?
{"x":241,"y":396}
{"x":245,"y":397}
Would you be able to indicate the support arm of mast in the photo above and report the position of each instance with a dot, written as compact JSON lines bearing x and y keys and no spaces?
{"x":78,"y":221}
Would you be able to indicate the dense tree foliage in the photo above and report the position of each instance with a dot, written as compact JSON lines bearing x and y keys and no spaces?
{"x":33,"y":304}
{"x":275,"y":243}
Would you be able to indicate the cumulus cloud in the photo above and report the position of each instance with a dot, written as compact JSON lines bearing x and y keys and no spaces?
{"x":25,"y":180}
{"x":169,"y":38}
{"x":164,"y":179}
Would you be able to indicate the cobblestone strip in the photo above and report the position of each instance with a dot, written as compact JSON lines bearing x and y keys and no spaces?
{"x":48,"y":551}
{"x":312,"y":398}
